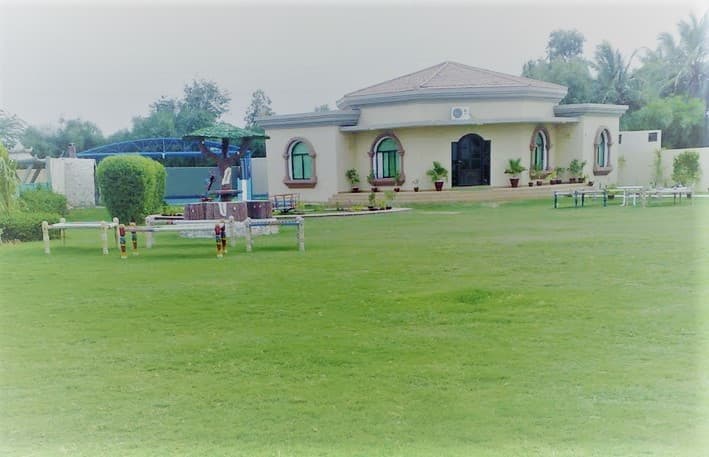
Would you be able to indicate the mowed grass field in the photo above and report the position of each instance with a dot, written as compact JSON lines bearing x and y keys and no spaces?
{"x":456,"y":330}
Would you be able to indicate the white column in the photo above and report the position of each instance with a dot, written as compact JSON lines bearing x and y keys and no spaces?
{"x":45,"y":236}
{"x":104,"y":237}
{"x":301,"y":233}
{"x":249,"y":240}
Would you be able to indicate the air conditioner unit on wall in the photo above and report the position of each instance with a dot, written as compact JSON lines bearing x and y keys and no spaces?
{"x":460,"y":113}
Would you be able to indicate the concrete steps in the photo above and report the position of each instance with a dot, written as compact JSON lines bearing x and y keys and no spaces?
{"x":470,"y":194}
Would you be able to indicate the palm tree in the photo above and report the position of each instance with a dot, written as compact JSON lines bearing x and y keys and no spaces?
{"x":688,"y":57}
{"x":614,"y":81}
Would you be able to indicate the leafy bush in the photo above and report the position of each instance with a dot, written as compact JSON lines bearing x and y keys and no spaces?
{"x":43,"y":200}
{"x":8,"y":180}
{"x":131,"y":186}
{"x":26,"y":226}
{"x":685,"y":168}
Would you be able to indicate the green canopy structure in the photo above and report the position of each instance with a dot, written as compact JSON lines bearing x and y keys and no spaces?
{"x":224,"y":131}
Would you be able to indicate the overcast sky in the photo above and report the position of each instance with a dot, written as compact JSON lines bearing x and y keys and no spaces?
{"x":106,"y":62}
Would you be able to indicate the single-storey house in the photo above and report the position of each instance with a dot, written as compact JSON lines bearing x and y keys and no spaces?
{"x":469,"y":119}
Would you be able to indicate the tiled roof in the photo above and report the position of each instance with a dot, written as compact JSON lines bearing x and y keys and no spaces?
{"x":449,"y":76}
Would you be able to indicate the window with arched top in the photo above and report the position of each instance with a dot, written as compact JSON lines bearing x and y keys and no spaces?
{"x":602,"y":152}
{"x":300,"y":164}
{"x":539,"y":148}
{"x":386,"y":161}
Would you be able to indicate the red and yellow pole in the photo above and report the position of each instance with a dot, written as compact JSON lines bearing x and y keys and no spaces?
{"x":134,"y":238}
{"x":218,"y":239}
{"x":122,"y":240}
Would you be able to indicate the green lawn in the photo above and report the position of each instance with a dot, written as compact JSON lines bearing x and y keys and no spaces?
{"x":456,"y":330}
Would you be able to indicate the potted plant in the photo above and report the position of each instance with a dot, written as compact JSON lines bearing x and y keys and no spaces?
{"x":398,"y":181}
{"x":438,"y":175}
{"x":537,"y":175}
{"x":559,"y":173}
{"x":576,"y":170}
{"x":389,"y":197}
{"x":353,"y":177}
{"x":370,"y":180}
{"x":372,"y":200}
{"x":514,"y":169}
{"x":416,"y":185}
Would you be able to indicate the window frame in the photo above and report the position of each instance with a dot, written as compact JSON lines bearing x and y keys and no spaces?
{"x":299,"y":183}
{"x":542,"y":132}
{"x":603,"y":138}
{"x":373,"y":154}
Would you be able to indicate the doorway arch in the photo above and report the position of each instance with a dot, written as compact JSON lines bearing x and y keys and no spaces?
{"x":470,"y":160}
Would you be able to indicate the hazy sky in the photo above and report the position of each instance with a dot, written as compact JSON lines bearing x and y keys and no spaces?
{"x":106,"y":62}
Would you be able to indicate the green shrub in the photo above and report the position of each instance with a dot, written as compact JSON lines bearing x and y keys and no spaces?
{"x":26,"y":226}
{"x":685,"y":168}
{"x":8,"y":181}
{"x":131,"y":186}
{"x":43,"y":200}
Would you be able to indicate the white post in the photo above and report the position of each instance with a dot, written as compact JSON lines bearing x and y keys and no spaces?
{"x":104,"y":237}
{"x":249,"y":241}
{"x":231,"y":229}
{"x":45,"y":236}
{"x":116,"y":235}
{"x":61,"y":232}
{"x":149,"y":233}
{"x":301,"y":233}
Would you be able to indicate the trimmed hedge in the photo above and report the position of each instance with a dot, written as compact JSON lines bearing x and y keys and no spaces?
{"x":131,"y":186}
{"x":26,"y":226}
{"x":43,"y":200}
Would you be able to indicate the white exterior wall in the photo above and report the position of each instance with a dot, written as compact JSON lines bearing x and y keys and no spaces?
{"x":325,"y":141}
{"x":73,"y":178}
{"x":638,"y":156}
{"x":441,"y":111}
{"x":259,"y":175}
{"x":577,"y":142}
{"x":423,"y":145}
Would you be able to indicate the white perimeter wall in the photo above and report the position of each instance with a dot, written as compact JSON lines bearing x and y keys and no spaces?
{"x":73,"y":178}
{"x":639,"y":156}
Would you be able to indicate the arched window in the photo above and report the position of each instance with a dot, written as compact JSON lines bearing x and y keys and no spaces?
{"x":386,"y":163}
{"x":301,"y":164}
{"x":602,"y":152}
{"x":539,"y":148}
{"x":299,"y":158}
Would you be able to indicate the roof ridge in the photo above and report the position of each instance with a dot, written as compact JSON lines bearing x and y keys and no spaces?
{"x":394,"y":79}
{"x":436,"y":73}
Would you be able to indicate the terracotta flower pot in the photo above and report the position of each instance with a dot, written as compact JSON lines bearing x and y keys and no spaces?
{"x":514,"y":182}
{"x":439,"y":185}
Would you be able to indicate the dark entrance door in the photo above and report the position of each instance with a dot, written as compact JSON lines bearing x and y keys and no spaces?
{"x":470,"y":158}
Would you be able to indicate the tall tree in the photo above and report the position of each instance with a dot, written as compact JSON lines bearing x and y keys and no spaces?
{"x":574,"y":74}
{"x":11,"y":129}
{"x":565,"y":45}
{"x":688,"y":58}
{"x":204,"y":95}
{"x":614,"y":82}
{"x":46,"y":141}
{"x":260,"y":106}
{"x":681,"y":120}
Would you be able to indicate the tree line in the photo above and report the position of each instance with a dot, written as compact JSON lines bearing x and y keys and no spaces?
{"x":202,"y":104}
{"x":665,"y":88}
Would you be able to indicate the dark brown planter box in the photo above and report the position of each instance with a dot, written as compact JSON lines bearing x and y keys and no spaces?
{"x":259,"y":209}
